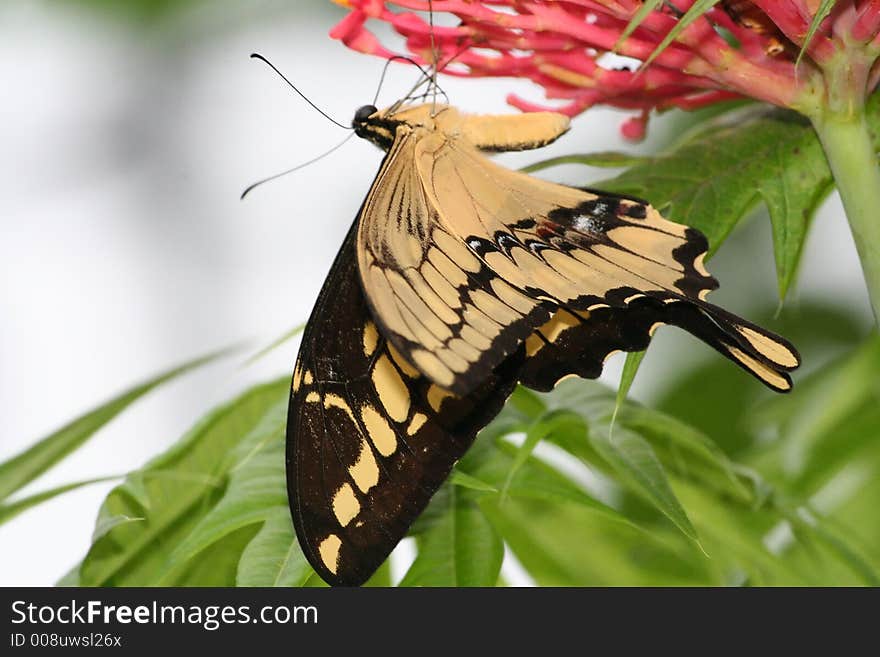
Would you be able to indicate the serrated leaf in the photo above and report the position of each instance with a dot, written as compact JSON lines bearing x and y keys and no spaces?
{"x":273,"y":557}
{"x":715,"y":178}
{"x":35,"y":460}
{"x":171,"y":494}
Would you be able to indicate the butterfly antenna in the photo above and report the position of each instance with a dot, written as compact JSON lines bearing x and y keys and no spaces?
{"x":296,"y":168}
{"x":301,"y":94}
{"x":394,"y":58}
{"x":434,"y":55}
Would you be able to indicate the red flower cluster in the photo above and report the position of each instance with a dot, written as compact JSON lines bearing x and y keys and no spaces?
{"x":737,"y":48}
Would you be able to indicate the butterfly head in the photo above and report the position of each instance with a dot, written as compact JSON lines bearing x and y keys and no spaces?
{"x":380,"y":126}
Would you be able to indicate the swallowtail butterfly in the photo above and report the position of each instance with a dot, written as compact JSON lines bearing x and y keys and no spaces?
{"x":459,"y":279}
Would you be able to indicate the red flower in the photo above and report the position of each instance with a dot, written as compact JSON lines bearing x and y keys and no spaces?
{"x":737,"y":48}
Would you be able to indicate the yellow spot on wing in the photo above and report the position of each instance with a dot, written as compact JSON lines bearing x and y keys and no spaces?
{"x":769,"y":348}
{"x":534,"y":344}
{"x":418,"y":420}
{"x":307,"y":378}
{"x":561,"y":321}
{"x":313,"y":397}
{"x":393,"y":392}
{"x":379,"y":430}
{"x":436,"y":396}
{"x":345,"y":504}
{"x":329,"y":551}
{"x":370,"y":339}
{"x":762,"y":371}
{"x":331,"y":400}
{"x":365,"y":471}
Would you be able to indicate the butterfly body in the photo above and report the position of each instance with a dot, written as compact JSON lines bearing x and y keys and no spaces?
{"x":458,"y":279}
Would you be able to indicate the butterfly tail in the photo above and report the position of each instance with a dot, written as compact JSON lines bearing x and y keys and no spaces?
{"x":761,"y":353}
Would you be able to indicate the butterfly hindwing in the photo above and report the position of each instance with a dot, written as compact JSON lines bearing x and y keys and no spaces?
{"x":369,"y":439}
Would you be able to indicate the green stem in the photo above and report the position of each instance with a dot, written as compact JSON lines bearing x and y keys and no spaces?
{"x":853,"y":160}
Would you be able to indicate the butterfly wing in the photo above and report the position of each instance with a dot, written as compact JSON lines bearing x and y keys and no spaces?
{"x":463,"y":260}
{"x":369,"y":440}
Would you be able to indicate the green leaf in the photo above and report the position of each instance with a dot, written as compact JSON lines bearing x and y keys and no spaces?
{"x":460,"y":549}
{"x":690,"y":453}
{"x":821,"y":13}
{"x":602,"y":159}
{"x":715,"y":178}
{"x":549,"y":423}
{"x":256,"y":485}
{"x":630,"y":369}
{"x":10,"y":510}
{"x":637,"y":465}
{"x":34,"y":461}
{"x":647,"y":7}
{"x":296,"y":330}
{"x":459,"y":478}
{"x":718,"y":400}
{"x":561,"y":543}
{"x":273,"y":557}
{"x":70,"y":578}
{"x":838,"y":543}
{"x":526,"y":402}
{"x":697,"y":9}
{"x":217,"y":565}
{"x":382,"y":577}
{"x":533,"y":479}
{"x":824,"y":401}
{"x":736,"y":538}
{"x":160,"y":504}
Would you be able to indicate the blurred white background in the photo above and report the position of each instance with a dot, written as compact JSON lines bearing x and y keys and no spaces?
{"x":124,"y":250}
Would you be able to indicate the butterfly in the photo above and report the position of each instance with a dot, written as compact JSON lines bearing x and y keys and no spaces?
{"x":458,"y":280}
